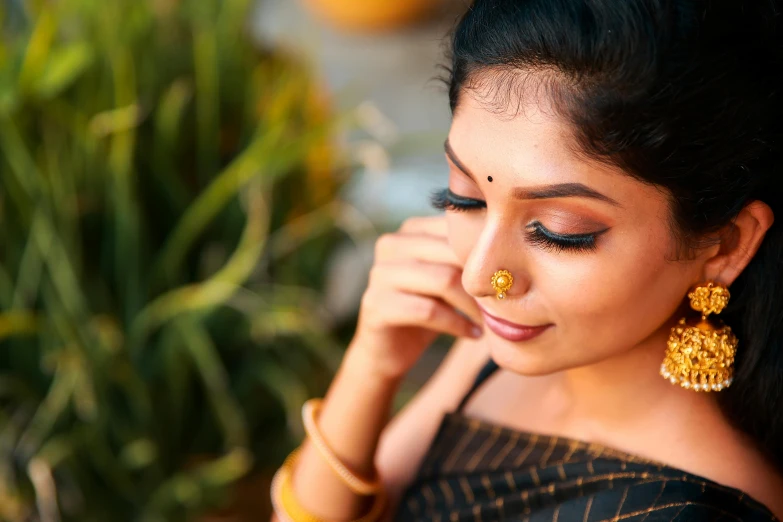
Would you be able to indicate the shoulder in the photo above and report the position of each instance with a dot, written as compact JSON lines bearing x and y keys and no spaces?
{"x":731,"y":460}
{"x":758,"y":477}
{"x":666,"y":494}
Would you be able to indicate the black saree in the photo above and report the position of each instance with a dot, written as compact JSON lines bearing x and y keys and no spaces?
{"x":478,"y":471}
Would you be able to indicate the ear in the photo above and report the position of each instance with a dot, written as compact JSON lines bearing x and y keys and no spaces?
{"x":739,"y":243}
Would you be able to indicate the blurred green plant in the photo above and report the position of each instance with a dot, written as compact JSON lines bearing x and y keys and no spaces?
{"x":167,"y":200}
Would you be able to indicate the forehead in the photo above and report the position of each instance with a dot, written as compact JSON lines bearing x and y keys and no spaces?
{"x":531,"y":145}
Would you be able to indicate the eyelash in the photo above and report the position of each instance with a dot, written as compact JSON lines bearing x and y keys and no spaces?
{"x":558,"y":243}
{"x":445,"y":199}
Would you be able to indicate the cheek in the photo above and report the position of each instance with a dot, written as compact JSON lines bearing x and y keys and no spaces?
{"x":627,"y":285}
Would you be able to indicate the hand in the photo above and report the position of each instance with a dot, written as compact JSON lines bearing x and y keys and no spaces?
{"x":414,"y":293}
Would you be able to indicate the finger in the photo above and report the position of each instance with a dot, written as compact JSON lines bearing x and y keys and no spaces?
{"x":434,"y":280}
{"x":433,"y":225}
{"x":421,"y":247}
{"x":428,"y":312}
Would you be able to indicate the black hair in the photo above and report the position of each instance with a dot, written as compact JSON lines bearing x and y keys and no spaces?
{"x":683,"y":94}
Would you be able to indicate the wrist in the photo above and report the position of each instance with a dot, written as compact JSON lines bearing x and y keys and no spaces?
{"x":360,"y":365}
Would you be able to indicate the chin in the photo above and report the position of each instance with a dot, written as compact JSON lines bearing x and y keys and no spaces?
{"x":526,"y":358}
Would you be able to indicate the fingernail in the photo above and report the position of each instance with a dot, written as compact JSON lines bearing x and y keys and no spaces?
{"x":476,"y":331}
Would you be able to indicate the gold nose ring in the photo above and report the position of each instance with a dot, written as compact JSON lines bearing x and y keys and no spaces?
{"x":501,"y":282}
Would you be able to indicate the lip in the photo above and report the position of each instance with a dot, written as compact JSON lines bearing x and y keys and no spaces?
{"x":511,"y":331}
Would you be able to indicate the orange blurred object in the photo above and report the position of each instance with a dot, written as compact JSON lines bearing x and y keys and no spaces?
{"x":373,"y":15}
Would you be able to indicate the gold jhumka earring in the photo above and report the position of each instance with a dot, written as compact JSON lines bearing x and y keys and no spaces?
{"x":501,"y":282}
{"x":700,"y":354}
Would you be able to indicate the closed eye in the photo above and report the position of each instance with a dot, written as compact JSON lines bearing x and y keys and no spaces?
{"x":541,"y":236}
{"x":445,"y":199}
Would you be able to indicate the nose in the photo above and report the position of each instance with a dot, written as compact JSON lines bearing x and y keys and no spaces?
{"x":494,"y":250}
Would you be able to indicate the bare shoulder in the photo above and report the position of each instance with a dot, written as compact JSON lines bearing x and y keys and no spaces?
{"x":406,"y":438}
{"x":757,"y":477}
{"x":714,"y":449}
{"x":770,"y":491}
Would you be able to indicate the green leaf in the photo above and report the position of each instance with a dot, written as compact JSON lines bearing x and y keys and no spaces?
{"x":218,"y":288}
{"x":143,"y":138}
{"x":52,"y":408}
{"x":8,"y":97}
{"x":38,"y":48}
{"x":267,"y":158}
{"x":17,"y":323}
{"x":289,"y":390}
{"x":65,"y":65}
{"x":186,"y":486}
{"x":216,"y":381}
{"x":139,"y":454}
{"x":205,"y":58}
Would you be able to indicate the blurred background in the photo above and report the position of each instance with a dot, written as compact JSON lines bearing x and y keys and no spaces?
{"x":190,"y":191}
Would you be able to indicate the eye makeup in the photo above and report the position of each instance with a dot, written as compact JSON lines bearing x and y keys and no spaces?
{"x":536,"y":233}
{"x":541,"y":236}
{"x":445,"y":199}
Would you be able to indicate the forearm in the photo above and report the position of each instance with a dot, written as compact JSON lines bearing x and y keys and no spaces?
{"x":414,"y":293}
{"x":353,"y":415}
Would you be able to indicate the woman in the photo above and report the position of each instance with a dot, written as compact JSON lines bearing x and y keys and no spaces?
{"x":607,"y":160}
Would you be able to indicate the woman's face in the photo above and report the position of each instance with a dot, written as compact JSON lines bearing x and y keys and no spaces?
{"x":589,"y":247}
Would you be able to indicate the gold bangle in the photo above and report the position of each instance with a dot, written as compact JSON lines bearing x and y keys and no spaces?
{"x":357,"y":484}
{"x":288,"y":509}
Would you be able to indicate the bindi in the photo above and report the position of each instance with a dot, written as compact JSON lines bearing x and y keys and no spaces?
{"x":489,"y":178}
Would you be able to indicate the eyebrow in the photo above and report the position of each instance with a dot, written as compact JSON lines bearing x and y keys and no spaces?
{"x":556,"y":190}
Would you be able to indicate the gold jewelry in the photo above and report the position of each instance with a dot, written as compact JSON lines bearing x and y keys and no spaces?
{"x":501,"y":282}
{"x":700,"y":354}
{"x":357,"y":484}
{"x":288,"y":509}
